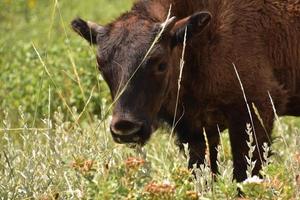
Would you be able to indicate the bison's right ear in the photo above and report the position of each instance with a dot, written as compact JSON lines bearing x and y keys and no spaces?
{"x":87,"y":30}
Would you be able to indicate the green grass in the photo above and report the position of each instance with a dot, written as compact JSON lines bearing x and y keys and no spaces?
{"x":54,"y":137}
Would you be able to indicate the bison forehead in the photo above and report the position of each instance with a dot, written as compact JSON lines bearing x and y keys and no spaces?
{"x":126,"y":53}
{"x":125,"y":43}
{"x":120,"y":38}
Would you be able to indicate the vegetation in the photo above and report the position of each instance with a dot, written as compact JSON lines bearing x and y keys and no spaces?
{"x":54,"y":136}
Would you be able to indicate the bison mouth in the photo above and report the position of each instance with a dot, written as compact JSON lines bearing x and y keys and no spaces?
{"x":138,"y":138}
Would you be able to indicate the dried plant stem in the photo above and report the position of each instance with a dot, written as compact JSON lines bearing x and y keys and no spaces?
{"x":78,"y":80}
{"x":53,"y":82}
{"x":277,"y":119}
{"x":178,"y":88}
{"x":249,"y":111}
{"x":179,"y":81}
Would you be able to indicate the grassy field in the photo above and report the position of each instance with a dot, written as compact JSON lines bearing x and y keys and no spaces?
{"x":54,"y":136}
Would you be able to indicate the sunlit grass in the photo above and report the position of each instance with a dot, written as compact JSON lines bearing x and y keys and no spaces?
{"x":66,"y":160}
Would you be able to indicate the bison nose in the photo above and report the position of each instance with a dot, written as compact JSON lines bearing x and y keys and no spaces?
{"x":125,"y":127}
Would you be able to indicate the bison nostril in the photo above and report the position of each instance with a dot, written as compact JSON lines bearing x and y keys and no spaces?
{"x":124,"y":127}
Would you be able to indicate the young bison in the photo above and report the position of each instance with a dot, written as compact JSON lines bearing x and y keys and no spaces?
{"x":260,"y":37}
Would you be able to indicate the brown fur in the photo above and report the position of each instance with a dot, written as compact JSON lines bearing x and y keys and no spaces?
{"x":260,"y":37}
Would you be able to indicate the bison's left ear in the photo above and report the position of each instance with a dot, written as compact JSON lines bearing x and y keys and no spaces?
{"x":194,"y":25}
{"x":87,"y":30}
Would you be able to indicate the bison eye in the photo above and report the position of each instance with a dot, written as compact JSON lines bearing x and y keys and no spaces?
{"x":162,"y":67}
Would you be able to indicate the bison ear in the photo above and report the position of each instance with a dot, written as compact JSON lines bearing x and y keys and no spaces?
{"x":87,"y":30}
{"x":194,"y":25}
{"x":168,"y":24}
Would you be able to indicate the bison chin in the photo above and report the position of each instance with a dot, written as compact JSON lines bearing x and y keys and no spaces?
{"x":138,"y":137}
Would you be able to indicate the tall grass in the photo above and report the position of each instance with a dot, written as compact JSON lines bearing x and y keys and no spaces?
{"x":62,"y":159}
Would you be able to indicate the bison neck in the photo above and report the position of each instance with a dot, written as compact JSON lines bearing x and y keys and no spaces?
{"x":196,"y":107}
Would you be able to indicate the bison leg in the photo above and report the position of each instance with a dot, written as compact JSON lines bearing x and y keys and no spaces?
{"x":237,"y":120}
{"x":197,"y":148}
{"x":213,"y":138}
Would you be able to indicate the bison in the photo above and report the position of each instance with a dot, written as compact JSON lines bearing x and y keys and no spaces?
{"x":260,"y":37}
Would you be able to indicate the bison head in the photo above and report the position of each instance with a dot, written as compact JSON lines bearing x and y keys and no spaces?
{"x":138,"y":71}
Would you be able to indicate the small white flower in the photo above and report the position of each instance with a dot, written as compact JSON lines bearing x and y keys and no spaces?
{"x":253,"y":179}
{"x":166,"y":182}
{"x":79,"y":193}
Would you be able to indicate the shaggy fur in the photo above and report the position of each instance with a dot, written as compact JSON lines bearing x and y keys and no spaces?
{"x":260,"y":37}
